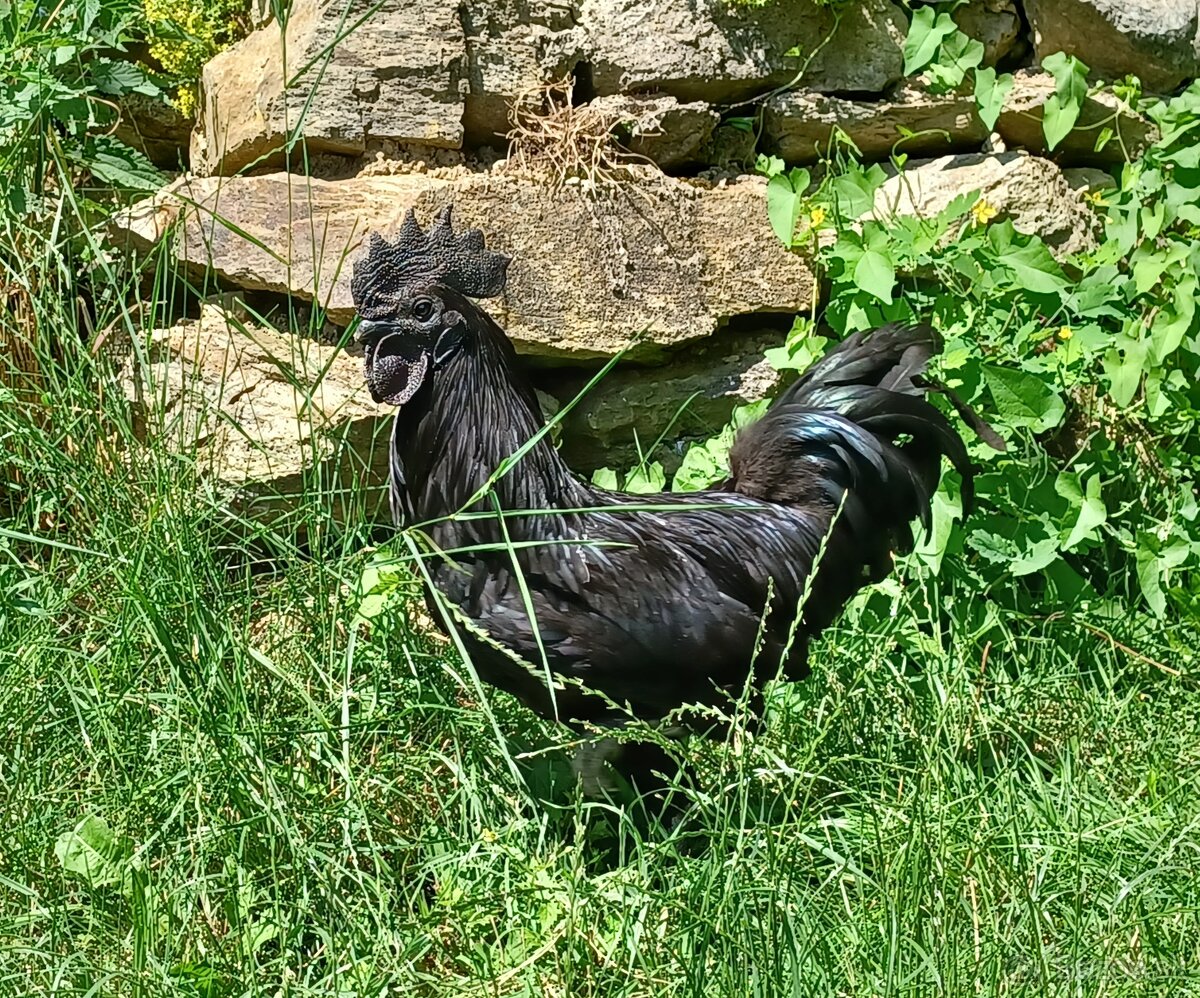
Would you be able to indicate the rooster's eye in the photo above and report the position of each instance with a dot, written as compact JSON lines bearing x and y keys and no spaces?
{"x":423,"y":309}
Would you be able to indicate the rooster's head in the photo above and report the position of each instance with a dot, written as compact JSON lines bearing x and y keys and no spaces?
{"x":408,"y":294}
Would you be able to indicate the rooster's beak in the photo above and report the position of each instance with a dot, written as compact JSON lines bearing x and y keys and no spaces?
{"x":368,"y":331}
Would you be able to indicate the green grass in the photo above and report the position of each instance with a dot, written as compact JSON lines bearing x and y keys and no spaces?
{"x":300,"y":806}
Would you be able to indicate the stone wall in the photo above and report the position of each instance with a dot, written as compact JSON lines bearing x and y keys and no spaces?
{"x":315,"y":132}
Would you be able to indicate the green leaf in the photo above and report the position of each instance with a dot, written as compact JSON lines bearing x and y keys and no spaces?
{"x":1028,"y":259}
{"x":91,"y":10}
{"x":997,"y":549}
{"x":1036,"y":557}
{"x":958,"y":56}
{"x":1023,"y":399}
{"x":744,"y":415}
{"x":875,"y":274}
{"x":925,"y":34}
{"x":700,"y":468}
{"x":646,"y":479}
{"x":91,"y":851}
{"x":1090,"y":511}
{"x":783,"y":207}
{"x":116,"y":163}
{"x":605,"y":478}
{"x":1124,"y":365}
{"x":17,"y":197}
{"x":990,"y":93}
{"x":769,"y":166}
{"x":1173,"y":321}
{"x":1061,"y":111}
{"x":1150,"y":573}
{"x":798,"y":354}
{"x":944,"y":509}
{"x":854,"y":192}
{"x":115,"y":77}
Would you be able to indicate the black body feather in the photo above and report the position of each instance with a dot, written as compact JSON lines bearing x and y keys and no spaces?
{"x":655,"y":609}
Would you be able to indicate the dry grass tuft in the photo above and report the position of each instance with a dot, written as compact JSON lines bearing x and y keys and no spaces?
{"x":569,"y":143}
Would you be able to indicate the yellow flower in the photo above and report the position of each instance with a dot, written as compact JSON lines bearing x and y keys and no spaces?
{"x":1096,"y":197}
{"x":817,"y":216}
{"x":983,"y":212}
{"x":488,"y":835}
{"x":1065,"y":333}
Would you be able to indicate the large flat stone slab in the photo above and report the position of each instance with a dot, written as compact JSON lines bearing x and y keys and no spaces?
{"x":258,"y":411}
{"x":1032,"y":192}
{"x":657,"y":260}
{"x":336,"y":74}
{"x":719,"y":51}
{"x":1155,"y":40}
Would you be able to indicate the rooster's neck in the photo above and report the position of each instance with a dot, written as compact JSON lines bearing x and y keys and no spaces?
{"x":478,"y":410}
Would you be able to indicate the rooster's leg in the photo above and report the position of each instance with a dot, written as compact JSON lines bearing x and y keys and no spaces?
{"x":649,"y":769}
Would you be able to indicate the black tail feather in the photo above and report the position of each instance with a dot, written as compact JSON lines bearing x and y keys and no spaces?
{"x":855,"y":431}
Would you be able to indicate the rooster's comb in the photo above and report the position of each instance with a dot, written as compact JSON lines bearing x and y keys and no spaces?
{"x":456,"y":260}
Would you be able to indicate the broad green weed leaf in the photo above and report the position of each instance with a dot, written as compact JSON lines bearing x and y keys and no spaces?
{"x":1124,"y":365}
{"x":782,"y":208}
{"x":854,"y":192}
{"x":875,"y":274}
{"x":1070,"y":90}
{"x":1172,"y":322}
{"x":116,"y":163}
{"x":118,"y":77}
{"x":990,"y":93}
{"x":744,"y":415}
{"x":91,"y":851}
{"x":1150,"y":572}
{"x":1090,"y":511}
{"x":1023,"y":399}
{"x":959,"y":55}
{"x":701,"y":467}
{"x":944,"y":510}
{"x":605,"y":478}
{"x":646,"y":479}
{"x":925,"y":35}
{"x":1036,"y":557}
{"x":769,"y":166}
{"x":1028,"y":259}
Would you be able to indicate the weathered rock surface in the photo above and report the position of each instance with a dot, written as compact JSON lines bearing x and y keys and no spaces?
{"x":715,"y":51}
{"x":258,"y":410}
{"x":1089,"y":179}
{"x":1031,"y":191}
{"x":154,"y":127}
{"x":333,"y":82}
{"x":1156,"y":40}
{"x":1020,"y":123}
{"x":512,"y":47}
{"x":800,"y":125}
{"x":660,"y":128}
{"x":429,"y":73}
{"x":995,"y":23}
{"x":590,"y":270}
{"x":689,"y":397}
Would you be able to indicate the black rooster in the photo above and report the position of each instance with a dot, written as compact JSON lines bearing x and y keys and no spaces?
{"x":646,"y":609}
